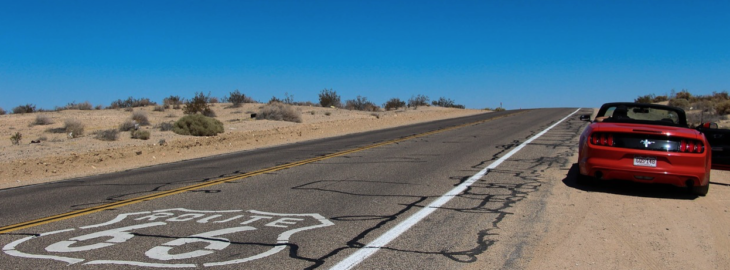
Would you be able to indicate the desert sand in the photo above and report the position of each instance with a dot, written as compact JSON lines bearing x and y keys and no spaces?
{"x":58,"y":156}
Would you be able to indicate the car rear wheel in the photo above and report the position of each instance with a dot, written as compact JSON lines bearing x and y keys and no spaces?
{"x":701,"y":190}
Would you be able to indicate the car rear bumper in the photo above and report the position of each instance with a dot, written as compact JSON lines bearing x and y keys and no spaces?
{"x":673,"y":169}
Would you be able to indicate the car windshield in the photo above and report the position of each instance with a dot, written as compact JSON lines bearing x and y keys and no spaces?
{"x":628,"y":113}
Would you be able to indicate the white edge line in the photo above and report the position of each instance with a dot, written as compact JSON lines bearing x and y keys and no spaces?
{"x":361,"y":254}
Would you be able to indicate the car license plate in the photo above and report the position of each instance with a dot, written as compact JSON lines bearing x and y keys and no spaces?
{"x":644,"y":161}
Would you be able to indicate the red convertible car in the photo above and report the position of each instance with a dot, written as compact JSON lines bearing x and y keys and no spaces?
{"x":644,"y":143}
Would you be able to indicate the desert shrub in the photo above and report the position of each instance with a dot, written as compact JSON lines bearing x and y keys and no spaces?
{"x":237,"y":98}
{"x":394,"y":104}
{"x":279,"y":112}
{"x":42,"y":120}
{"x":98,"y":107}
{"x":198,"y":104}
{"x":162,"y":142}
{"x":131,"y":103}
{"x":329,"y":98}
{"x":159,"y":108}
{"x":209,"y":113}
{"x":418,"y":100}
{"x":657,"y":99}
{"x":27,"y":108}
{"x":174,"y":101}
{"x":443,"y":102}
{"x":2,"y":112}
{"x":684,"y":94}
{"x":166,"y":126}
{"x":499,"y":109}
{"x":644,"y":99}
{"x":214,"y":100}
{"x":723,"y":108}
{"x":107,"y":135}
{"x":140,"y":134}
{"x":360,"y":104}
{"x":128,"y":125}
{"x":722,"y":96}
{"x":74,"y":128}
{"x":328,"y":113}
{"x":274,"y":99}
{"x":16,"y":138}
{"x":679,"y":102}
{"x":141,"y":118}
{"x":76,"y":106}
{"x":198,"y":125}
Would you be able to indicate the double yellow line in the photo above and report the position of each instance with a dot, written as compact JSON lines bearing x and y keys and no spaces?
{"x":90,"y":210}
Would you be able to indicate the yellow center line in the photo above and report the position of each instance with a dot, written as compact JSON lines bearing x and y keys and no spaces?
{"x":161,"y":194}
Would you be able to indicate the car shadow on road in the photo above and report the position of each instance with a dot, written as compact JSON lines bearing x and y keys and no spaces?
{"x":627,"y":188}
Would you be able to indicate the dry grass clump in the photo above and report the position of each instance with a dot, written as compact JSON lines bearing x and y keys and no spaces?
{"x":74,"y":128}
{"x":107,"y":135}
{"x":141,"y":118}
{"x":198,"y":125}
{"x":140,"y":134}
{"x":279,"y":112}
{"x":42,"y":120}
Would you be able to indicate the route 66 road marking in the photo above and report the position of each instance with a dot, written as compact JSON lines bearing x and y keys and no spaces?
{"x":214,"y":231}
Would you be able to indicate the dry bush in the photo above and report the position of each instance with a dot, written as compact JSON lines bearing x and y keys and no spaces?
{"x":27,"y":108}
{"x":499,"y":109}
{"x":141,"y":118}
{"x":42,"y":120}
{"x":174,"y":101}
{"x":394,"y":104}
{"x":128,"y":125}
{"x":279,"y":112}
{"x":361,"y":104}
{"x":166,"y":126}
{"x":723,"y":108}
{"x":198,"y":125}
{"x":199,"y":104}
{"x":131,"y":103}
{"x":679,"y":102}
{"x":16,"y":138}
{"x":140,"y":134}
{"x":329,"y":98}
{"x":159,"y":108}
{"x":2,"y":112}
{"x":418,"y":100}
{"x":74,"y":128}
{"x":107,"y":135}
{"x":76,"y":106}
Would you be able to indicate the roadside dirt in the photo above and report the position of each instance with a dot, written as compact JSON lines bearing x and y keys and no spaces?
{"x":58,"y":156}
{"x":612,"y":224}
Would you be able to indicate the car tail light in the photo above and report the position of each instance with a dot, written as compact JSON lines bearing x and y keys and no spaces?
{"x":605,"y":139}
{"x":691,"y":146}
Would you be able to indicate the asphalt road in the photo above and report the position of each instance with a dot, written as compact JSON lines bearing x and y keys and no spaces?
{"x":297,"y":206}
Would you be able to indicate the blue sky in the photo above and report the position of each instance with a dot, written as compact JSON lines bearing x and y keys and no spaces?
{"x":523,"y":54}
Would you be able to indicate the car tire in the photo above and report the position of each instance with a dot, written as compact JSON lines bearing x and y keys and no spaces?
{"x":701,"y":190}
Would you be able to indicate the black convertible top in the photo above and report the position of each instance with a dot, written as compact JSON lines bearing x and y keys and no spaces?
{"x":641,"y":113}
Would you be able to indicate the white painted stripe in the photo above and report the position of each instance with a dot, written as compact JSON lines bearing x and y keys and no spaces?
{"x":370,"y":249}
